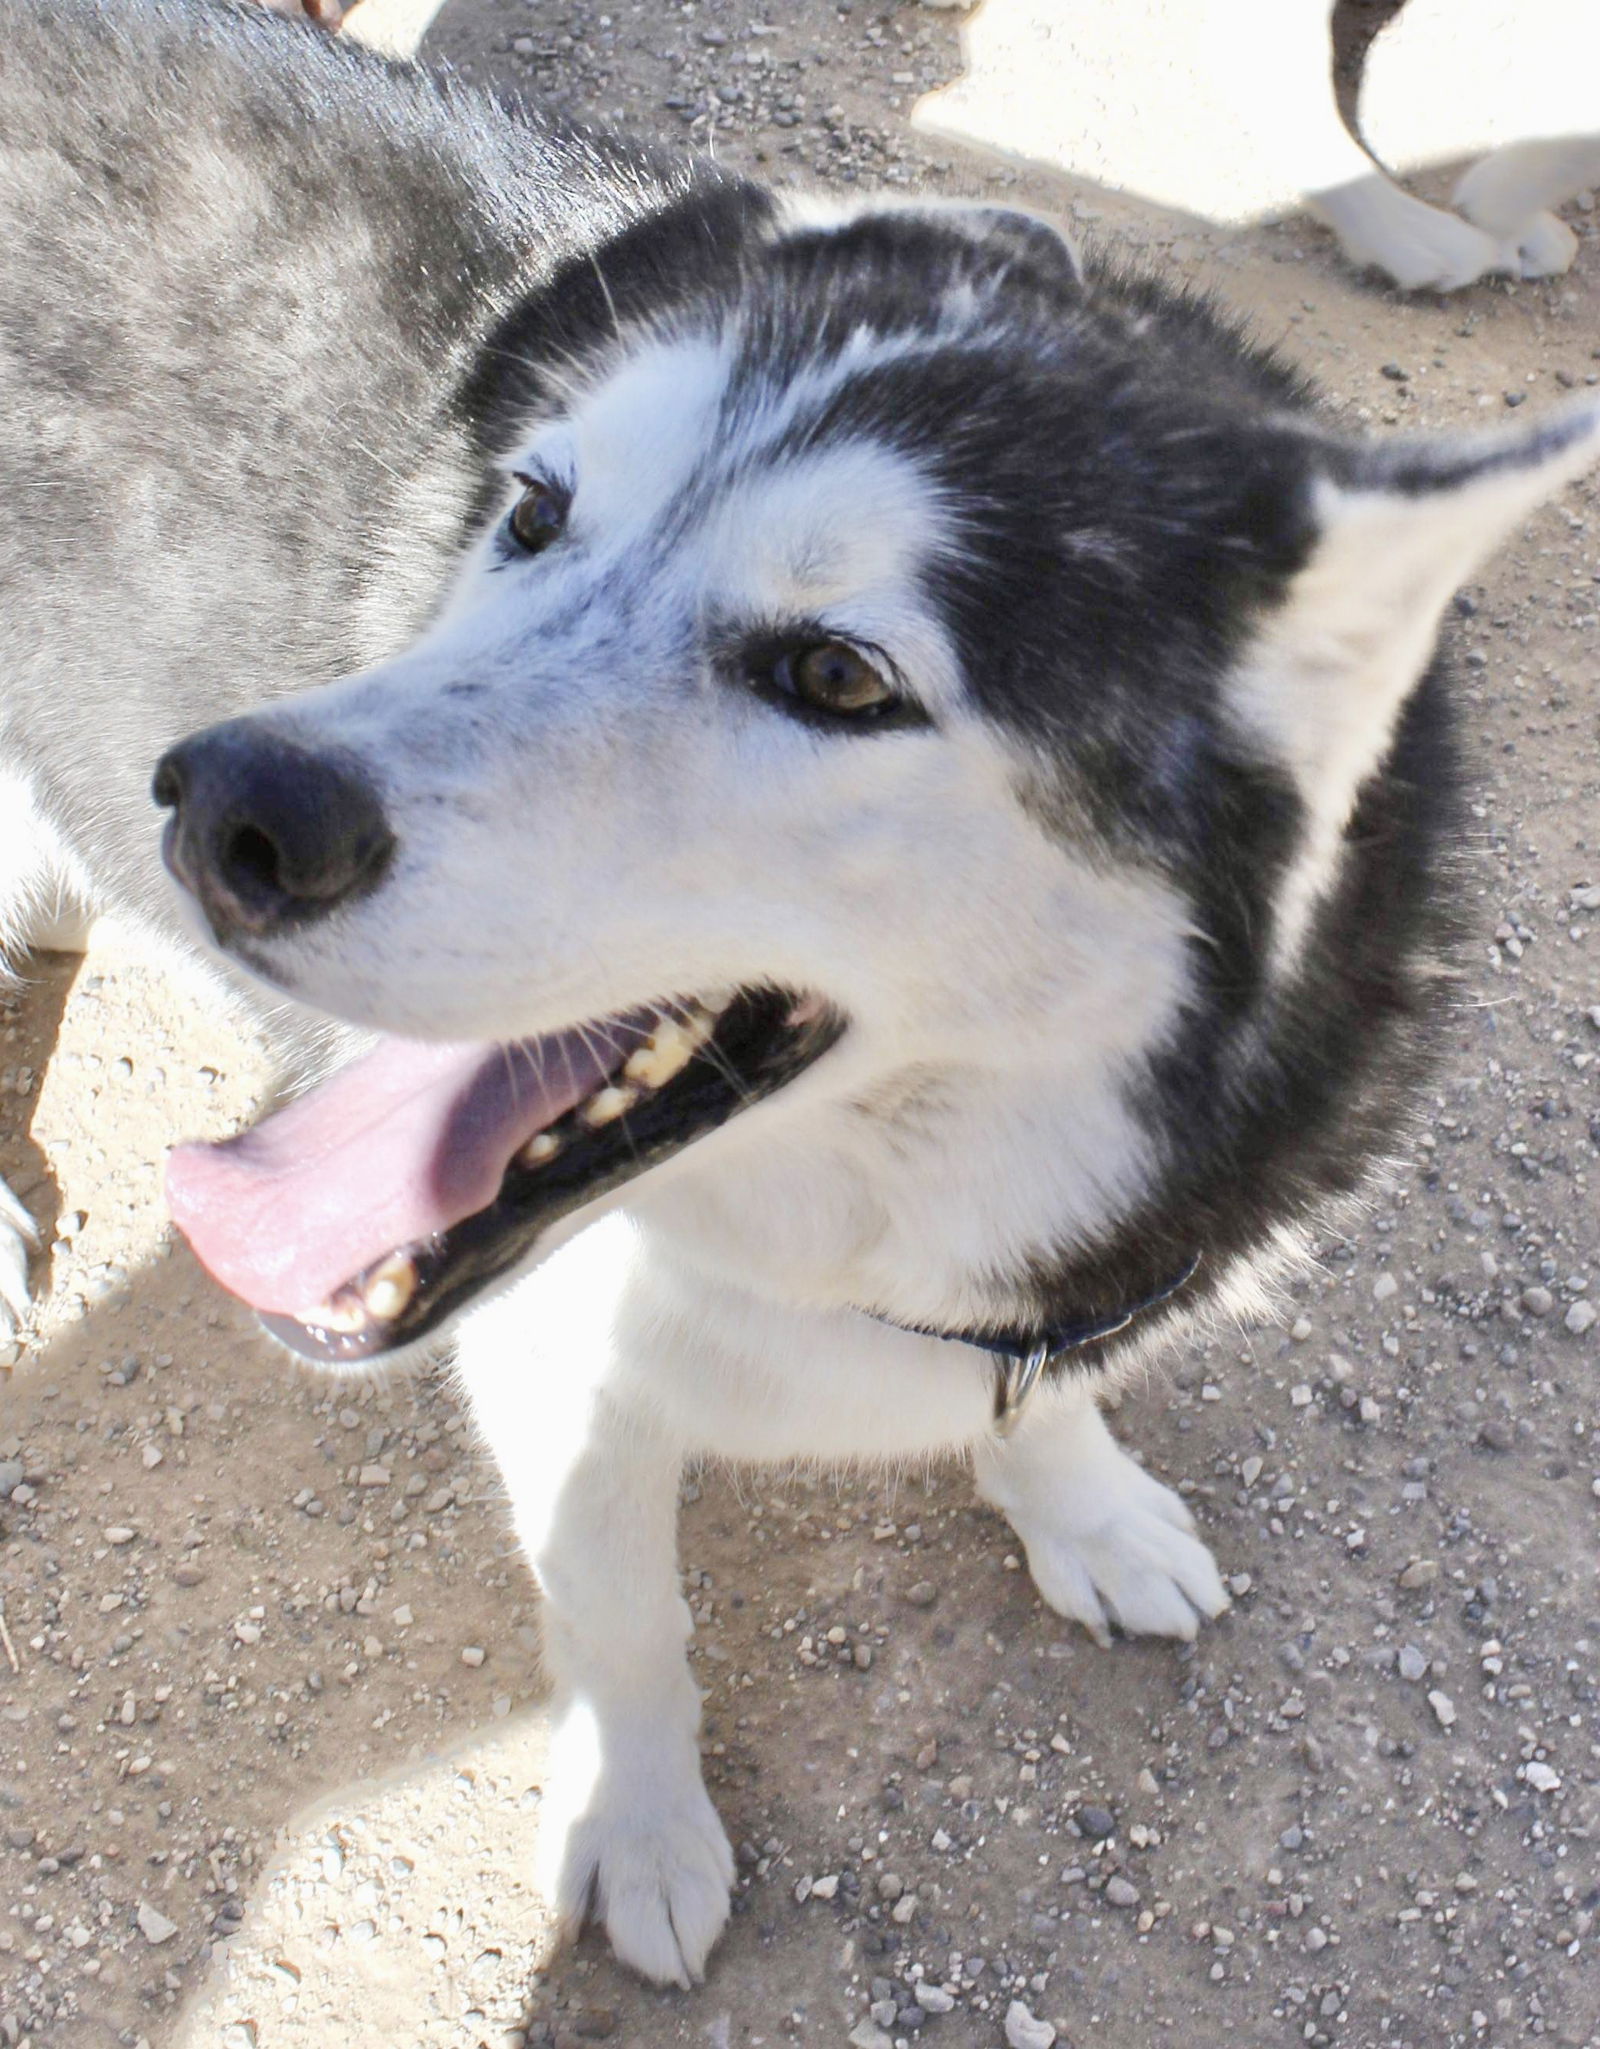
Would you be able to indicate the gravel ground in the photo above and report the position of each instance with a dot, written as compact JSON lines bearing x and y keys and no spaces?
{"x":1361,"y":1812}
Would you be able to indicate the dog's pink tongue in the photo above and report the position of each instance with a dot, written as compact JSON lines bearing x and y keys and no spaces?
{"x":398,"y":1146}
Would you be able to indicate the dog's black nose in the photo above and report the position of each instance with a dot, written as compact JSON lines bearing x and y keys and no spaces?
{"x":264,"y":833}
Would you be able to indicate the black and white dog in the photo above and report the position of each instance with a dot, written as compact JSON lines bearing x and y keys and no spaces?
{"x":888,"y":785}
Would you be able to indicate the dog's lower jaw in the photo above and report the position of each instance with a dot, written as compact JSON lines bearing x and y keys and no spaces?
{"x":593,"y":1382}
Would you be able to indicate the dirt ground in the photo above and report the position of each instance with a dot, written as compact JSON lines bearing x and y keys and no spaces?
{"x":269,"y":1728}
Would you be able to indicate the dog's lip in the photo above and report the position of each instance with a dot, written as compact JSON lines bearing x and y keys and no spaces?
{"x":597,"y":1125}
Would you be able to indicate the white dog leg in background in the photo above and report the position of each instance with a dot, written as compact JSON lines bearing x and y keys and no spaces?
{"x":35,"y":911}
{"x":627,"y":1829}
{"x":17,"y":1239}
{"x":1509,"y":81}
{"x":1106,"y":1542}
{"x":1222,"y":108}
{"x":1226,"y":109}
{"x":395,"y":28}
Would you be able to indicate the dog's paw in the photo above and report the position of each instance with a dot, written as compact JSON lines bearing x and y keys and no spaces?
{"x":17,"y":1241}
{"x":1419,"y":246}
{"x":1507,"y":194}
{"x":1543,"y":246}
{"x":647,"y":1858}
{"x":1121,"y":1551}
{"x":1423,"y":248}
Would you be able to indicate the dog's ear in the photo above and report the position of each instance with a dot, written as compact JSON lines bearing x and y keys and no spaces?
{"x":1028,"y":238}
{"x":1395,"y":529}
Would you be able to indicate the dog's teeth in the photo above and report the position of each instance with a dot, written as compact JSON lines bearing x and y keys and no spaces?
{"x":698,"y":1025}
{"x":390,"y":1287}
{"x":666,"y":1052}
{"x":344,"y":1314}
{"x":542,"y":1147}
{"x":606,"y":1105}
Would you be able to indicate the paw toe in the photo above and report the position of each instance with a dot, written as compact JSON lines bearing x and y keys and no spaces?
{"x":1167,"y":1589}
{"x":1545,"y":247}
{"x":663,"y":1923}
{"x":1066,"y":1585}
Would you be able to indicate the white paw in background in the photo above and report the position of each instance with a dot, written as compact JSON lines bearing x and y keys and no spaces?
{"x":1542,"y":244}
{"x":17,"y":1240}
{"x":1508,"y":192}
{"x":1119,"y":1549}
{"x":1545,"y":246}
{"x":640,"y":1850}
{"x":1420,"y":246}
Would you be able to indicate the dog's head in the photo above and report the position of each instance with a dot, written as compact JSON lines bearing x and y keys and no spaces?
{"x":912,"y":701}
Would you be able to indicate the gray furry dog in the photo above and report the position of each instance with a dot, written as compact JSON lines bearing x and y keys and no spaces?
{"x":882,"y":788}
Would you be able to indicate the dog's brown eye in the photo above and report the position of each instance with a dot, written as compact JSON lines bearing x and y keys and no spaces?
{"x":538,"y":516}
{"x":834,"y":677}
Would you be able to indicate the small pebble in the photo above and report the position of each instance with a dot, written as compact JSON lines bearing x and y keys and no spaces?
{"x":153,"y":1924}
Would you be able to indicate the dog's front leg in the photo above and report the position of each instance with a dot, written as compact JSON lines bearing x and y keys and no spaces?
{"x":627,"y":1829}
{"x":1106,"y":1542}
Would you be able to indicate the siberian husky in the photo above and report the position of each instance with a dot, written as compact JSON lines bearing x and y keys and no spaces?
{"x":885,"y":795}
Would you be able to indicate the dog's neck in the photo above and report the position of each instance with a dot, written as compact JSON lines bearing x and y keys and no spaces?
{"x":931,"y":1198}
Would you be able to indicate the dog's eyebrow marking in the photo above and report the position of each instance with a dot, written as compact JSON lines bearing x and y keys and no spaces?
{"x":836,"y":526}
{"x":638,"y":438}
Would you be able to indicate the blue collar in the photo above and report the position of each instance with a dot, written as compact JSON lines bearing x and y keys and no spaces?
{"x":1021,"y":1358}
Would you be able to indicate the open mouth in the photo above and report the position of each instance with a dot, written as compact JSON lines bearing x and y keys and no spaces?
{"x":368,"y":1212}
